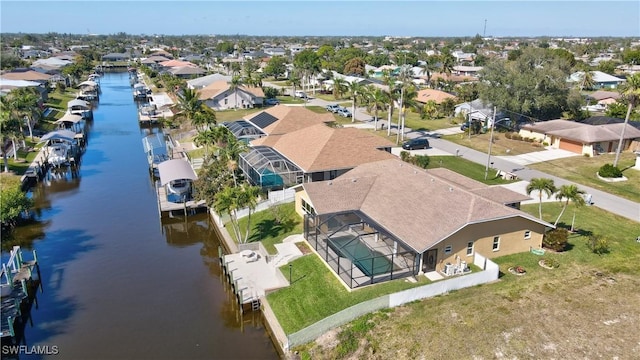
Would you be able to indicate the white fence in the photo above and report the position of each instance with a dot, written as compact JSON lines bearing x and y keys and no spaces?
{"x":490,"y":273}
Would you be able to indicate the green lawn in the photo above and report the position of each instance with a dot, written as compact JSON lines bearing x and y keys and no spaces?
{"x":501,"y":145}
{"x":234,"y":115}
{"x":582,"y":170}
{"x":316,"y":293}
{"x":466,"y":168}
{"x":266,"y":229}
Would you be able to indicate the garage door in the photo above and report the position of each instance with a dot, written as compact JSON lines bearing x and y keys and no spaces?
{"x":572,"y":146}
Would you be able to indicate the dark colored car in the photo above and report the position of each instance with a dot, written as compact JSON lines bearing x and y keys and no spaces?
{"x":413,"y":144}
{"x":272,"y":101}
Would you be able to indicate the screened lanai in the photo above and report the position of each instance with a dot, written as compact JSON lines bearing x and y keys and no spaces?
{"x":243,"y":130}
{"x":358,"y":250}
{"x":267,"y":168}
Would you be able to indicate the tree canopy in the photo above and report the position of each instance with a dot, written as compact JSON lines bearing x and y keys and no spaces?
{"x":533,"y":85}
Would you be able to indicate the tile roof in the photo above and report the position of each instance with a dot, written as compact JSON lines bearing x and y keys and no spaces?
{"x":322,"y":148}
{"x":581,"y":132}
{"x":432,"y":94}
{"x":543,"y":127}
{"x":419,"y":207}
{"x":601,"y":95}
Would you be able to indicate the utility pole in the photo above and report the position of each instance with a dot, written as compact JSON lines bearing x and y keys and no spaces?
{"x":486,"y":170}
{"x":484,"y":33}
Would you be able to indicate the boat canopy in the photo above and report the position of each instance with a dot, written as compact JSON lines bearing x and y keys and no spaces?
{"x":175,"y":169}
{"x":78,"y":102}
{"x":88,"y":83}
{"x":59,"y":135}
{"x":72,"y":118}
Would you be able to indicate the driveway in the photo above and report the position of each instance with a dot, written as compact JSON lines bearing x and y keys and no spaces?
{"x":538,"y":156}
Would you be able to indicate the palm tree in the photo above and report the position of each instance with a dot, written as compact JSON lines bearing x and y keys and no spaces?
{"x":339,"y":86}
{"x":234,"y":85}
{"x":587,"y":80}
{"x":189,"y":103}
{"x":569,"y":193}
{"x":447,"y":61}
{"x":542,"y":185}
{"x":205,"y":138}
{"x":294,"y":81}
{"x":429,"y":66}
{"x":249,"y":199}
{"x":356,"y":90}
{"x":203,"y":119}
{"x":391,"y":95}
{"x":631,"y":92}
{"x":376,"y":101}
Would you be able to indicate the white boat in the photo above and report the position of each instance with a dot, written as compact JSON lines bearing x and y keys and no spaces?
{"x":58,"y":154}
{"x":179,"y":187}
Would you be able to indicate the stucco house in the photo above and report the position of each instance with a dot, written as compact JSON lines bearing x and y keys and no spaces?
{"x":219,"y":96}
{"x":388,"y":219}
{"x":582,"y":138}
{"x":312,"y":153}
{"x":426,"y":95}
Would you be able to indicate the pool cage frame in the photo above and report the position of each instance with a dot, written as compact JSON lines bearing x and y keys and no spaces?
{"x":262,"y":163}
{"x":331,"y":234}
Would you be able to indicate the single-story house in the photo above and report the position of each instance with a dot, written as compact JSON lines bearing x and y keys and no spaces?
{"x":467,"y":70}
{"x":603,"y":97}
{"x":219,"y":96}
{"x":581,"y":138}
{"x":28,"y":75}
{"x":426,"y":95}
{"x":203,"y":81}
{"x":600,"y":80}
{"x":388,"y":219}
{"x":276,"y":120}
{"x":477,"y":110}
{"x":275,"y":51}
{"x":116,"y":57}
{"x":326,"y":153}
{"x":186,"y":72}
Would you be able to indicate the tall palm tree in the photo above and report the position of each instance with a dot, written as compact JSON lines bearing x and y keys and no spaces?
{"x":205,"y":138}
{"x":294,"y":81}
{"x":447,"y":61}
{"x":392,"y":94}
{"x":631,"y":92}
{"x":569,"y":193}
{"x":541,"y":185}
{"x":356,"y":90}
{"x":376,"y":101}
{"x":429,"y":66}
{"x":234,"y":85}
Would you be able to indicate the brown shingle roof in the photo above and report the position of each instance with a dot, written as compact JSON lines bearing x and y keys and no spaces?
{"x":322,"y":148}
{"x":419,"y":207}
{"x":291,"y":118}
{"x":588,"y":134}
{"x":28,"y":75}
{"x":601,"y":95}
{"x":543,"y":127}
{"x":432,"y":94}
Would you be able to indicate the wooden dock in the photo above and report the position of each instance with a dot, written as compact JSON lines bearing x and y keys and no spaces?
{"x":187,"y":207}
{"x":20,"y":279}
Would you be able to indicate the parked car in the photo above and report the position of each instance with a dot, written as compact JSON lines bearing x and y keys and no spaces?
{"x":344,"y":112}
{"x":272,"y":101}
{"x":333,"y":108}
{"x":419,"y":143}
{"x":300,"y":94}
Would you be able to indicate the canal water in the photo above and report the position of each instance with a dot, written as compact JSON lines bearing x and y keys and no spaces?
{"x":118,"y":281}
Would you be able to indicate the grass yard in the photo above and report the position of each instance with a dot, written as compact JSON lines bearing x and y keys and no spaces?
{"x":234,"y":115}
{"x":501,"y":145}
{"x":582,"y":170}
{"x":466,"y":168}
{"x":544,"y":314}
{"x":266,"y":229}
{"x":316,"y":293}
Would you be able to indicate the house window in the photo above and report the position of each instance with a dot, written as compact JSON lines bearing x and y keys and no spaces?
{"x":226,"y":101}
{"x":448,"y":249}
{"x":496,"y":243}
{"x":307,"y":208}
{"x":527,"y":235}
{"x":470,"y":248}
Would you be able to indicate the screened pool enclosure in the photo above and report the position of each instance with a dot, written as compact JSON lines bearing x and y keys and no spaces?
{"x":357,"y":250}
{"x":267,"y":168}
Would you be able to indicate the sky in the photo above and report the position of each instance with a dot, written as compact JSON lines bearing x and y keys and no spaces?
{"x":326,"y":18}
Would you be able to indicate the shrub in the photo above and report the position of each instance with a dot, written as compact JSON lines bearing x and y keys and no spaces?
{"x":405,"y":155}
{"x":598,"y":244}
{"x":508,"y":135}
{"x":545,"y":144}
{"x":550,"y":262}
{"x":609,"y":171}
{"x":421,"y":161}
{"x":516,"y":137}
{"x":556,"y":239}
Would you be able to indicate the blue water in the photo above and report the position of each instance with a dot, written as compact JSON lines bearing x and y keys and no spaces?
{"x":119,"y":282}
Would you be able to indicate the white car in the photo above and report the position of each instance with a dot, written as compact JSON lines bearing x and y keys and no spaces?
{"x":344,"y":112}
{"x":300,"y":94}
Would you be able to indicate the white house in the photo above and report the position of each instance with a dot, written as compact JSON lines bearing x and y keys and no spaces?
{"x":601,"y":80}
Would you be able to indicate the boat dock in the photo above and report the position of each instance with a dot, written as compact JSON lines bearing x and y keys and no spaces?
{"x":20,"y":279}
{"x":188,"y":207}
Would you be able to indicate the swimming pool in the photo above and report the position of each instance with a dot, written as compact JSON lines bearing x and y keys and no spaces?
{"x":369,"y":261}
